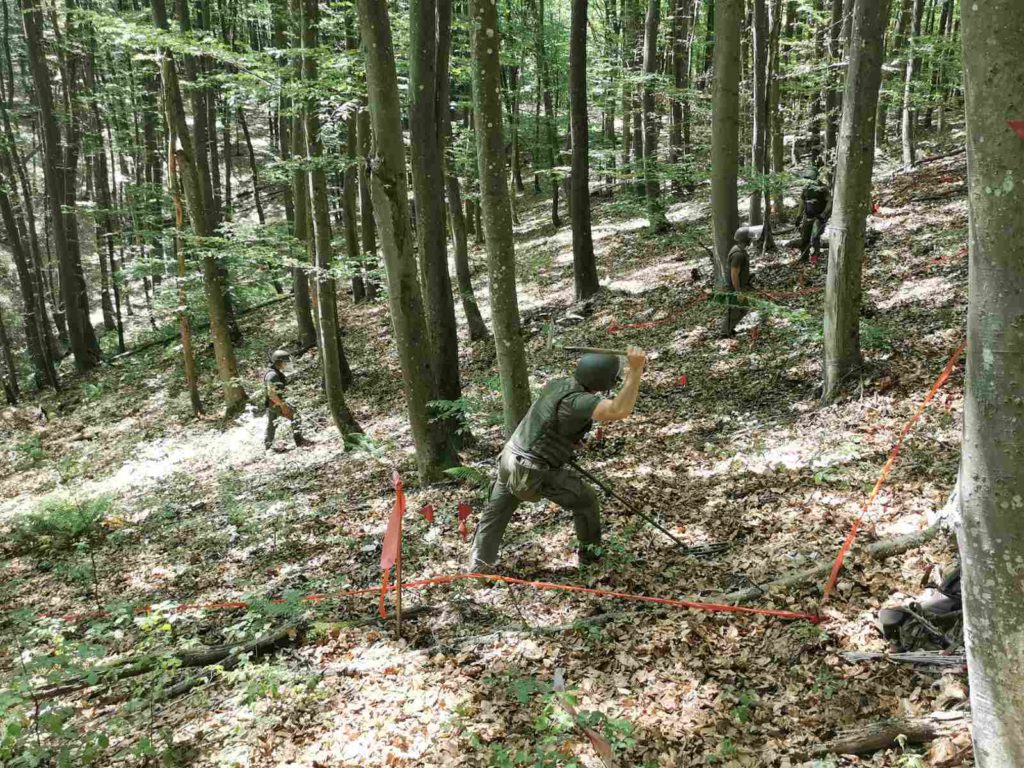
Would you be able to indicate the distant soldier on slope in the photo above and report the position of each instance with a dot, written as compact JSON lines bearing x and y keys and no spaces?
{"x":815,"y":210}
{"x":275,"y":381}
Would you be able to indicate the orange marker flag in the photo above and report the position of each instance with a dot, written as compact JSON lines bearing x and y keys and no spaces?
{"x":464,"y":511}
{"x":392,"y":549}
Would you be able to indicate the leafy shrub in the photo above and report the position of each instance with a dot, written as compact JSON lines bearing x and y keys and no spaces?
{"x":60,"y":523}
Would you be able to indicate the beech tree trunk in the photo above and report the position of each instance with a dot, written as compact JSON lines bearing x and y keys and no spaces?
{"x":760,"y":108}
{"x":651,"y":122}
{"x":584,"y":265}
{"x":725,"y":123}
{"x":550,"y":132}
{"x":391,"y":212}
{"x":909,"y":111}
{"x":332,"y":354}
{"x":195,"y":197}
{"x":497,"y":219}
{"x":852,"y":196}
{"x":992,"y":469}
{"x":73,"y":292}
{"x":368,"y":230}
{"x":680,"y":77}
{"x":477,"y":327}
{"x":775,"y":115}
{"x":428,"y":65}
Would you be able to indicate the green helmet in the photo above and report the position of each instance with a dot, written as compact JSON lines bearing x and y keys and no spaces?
{"x":279,"y":356}
{"x":598,"y":372}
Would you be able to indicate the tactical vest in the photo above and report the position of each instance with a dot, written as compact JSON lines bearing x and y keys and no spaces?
{"x":540,"y":436}
{"x":816,"y":200}
{"x":278,"y":379}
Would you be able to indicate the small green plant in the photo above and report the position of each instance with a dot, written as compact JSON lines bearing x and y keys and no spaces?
{"x":907,"y":759}
{"x":742,"y":709}
{"x":806,"y":632}
{"x":726,"y":751}
{"x":31,"y":451}
{"x":470,"y":475}
{"x":59,"y":524}
{"x":93,"y":391}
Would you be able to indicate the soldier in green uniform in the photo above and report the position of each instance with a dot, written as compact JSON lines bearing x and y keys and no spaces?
{"x":532,"y":465}
{"x":815,"y":209}
{"x":738,"y":279}
{"x":275,"y":381}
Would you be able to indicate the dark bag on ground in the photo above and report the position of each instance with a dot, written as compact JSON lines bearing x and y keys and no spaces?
{"x":932,"y":622}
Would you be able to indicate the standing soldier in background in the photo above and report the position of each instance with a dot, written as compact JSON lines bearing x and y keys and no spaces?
{"x":738,"y":277}
{"x":275,"y":382}
{"x":532,"y":464}
{"x":815,"y":209}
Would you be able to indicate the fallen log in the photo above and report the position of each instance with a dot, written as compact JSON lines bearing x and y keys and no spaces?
{"x":204,"y":657}
{"x":879,"y":550}
{"x":886,"y":733}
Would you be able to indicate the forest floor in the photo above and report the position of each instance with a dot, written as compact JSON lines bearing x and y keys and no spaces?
{"x":728,"y":445}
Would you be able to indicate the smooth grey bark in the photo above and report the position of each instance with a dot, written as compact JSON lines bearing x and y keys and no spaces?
{"x":852,"y":196}
{"x":391,"y":213}
{"x":833,"y":94}
{"x":584,"y":266}
{"x":349,"y":207}
{"x":775,"y":115}
{"x":992,"y":469}
{"x":56,"y":173}
{"x":368,"y":228}
{"x":760,"y":108}
{"x":496,"y":215}
{"x":332,"y":354}
{"x":656,"y":220}
{"x":202,"y":226}
{"x":550,"y":131}
{"x":681,"y":13}
{"x":427,"y":66}
{"x":725,"y":119}
{"x":477,"y":327}
{"x":909,"y":111}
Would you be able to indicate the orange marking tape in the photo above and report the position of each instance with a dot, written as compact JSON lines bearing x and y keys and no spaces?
{"x":886,"y":468}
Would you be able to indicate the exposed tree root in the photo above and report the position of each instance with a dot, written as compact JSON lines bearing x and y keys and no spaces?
{"x":884,"y":734}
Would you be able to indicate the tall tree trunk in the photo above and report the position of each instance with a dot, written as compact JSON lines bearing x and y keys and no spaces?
{"x":725,"y":131}
{"x":72,"y":284}
{"x":550,"y":132}
{"x":909,"y":110}
{"x":656,"y":220}
{"x":34,"y":334}
{"x":852,"y":200}
{"x":349,"y":200}
{"x":254,"y":168}
{"x":426,"y":125}
{"x":501,"y":264}
{"x":584,"y":267}
{"x":760,"y":104}
{"x":391,"y":212}
{"x":368,"y":231}
{"x":680,"y":78}
{"x":184,"y":322}
{"x":10,"y":377}
{"x":709,"y":37}
{"x":293,"y":191}
{"x":992,"y":469}
{"x":332,"y":354}
{"x":477,"y":327}
{"x":192,"y":183}
{"x":775,"y":115}
{"x":833,"y":95}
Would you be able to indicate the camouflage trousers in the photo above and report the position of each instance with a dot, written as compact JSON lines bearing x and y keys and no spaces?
{"x":518,"y":481}
{"x":274,"y":413}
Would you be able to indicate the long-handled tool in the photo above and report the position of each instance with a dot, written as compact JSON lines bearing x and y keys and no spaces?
{"x":627,"y":504}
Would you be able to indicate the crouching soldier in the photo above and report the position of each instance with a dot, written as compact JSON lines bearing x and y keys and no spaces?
{"x":532,"y":465}
{"x":275,"y":381}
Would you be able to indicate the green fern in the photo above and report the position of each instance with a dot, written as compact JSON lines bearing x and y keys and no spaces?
{"x":471,"y":475}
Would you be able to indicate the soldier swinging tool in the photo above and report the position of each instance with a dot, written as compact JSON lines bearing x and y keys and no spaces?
{"x":533,"y":463}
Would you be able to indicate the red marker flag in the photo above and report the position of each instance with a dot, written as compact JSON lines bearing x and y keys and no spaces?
{"x":392,"y":549}
{"x":464,"y":511}
{"x":428,"y":513}
{"x":682,"y":380}
{"x":1017,"y":126}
